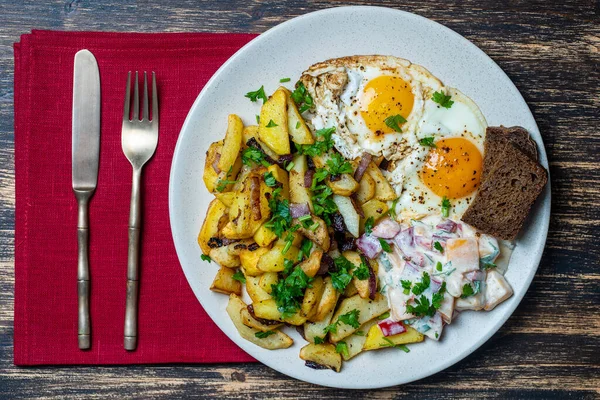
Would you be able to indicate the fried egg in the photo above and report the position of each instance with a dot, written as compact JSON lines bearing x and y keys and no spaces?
{"x":375,"y":102}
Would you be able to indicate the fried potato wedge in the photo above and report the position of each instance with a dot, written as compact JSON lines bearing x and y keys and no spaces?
{"x":324,"y":355}
{"x":383,"y":189}
{"x":232,"y":142}
{"x":211,"y":175}
{"x":320,"y":235}
{"x":315,"y":329}
{"x":249,"y":260}
{"x":298,"y":192}
{"x":328,"y":300}
{"x":375,"y":339}
{"x":273,"y":260}
{"x":267,"y":279}
{"x":249,"y":320}
{"x":224,"y":258}
{"x":356,"y":341}
{"x":264,"y":236}
{"x":312,"y":297}
{"x":251,"y":131}
{"x":373,"y":208}
{"x":282,"y":177}
{"x":224,"y":282}
{"x":216,"y":214}
{"x":273,"y":126}
{"x":226,"y":198}
{"x":312,"y":264}
{"x":350,"y":289}
{"x":255,"y":291}
{"x":278,"y":340}
{"x":362,"y":286}
{"x":351,"y":217}
{"x":267,"y":309}
{"x":344,"y":186}
{"x":368,"y":309}
{"x":366,"y":189}
{"x":297,"y":128}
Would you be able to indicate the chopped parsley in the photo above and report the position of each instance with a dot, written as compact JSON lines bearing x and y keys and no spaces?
{"x":253,"y":155}
{"x":385,"y":245}
{"x":442,"y":99}
{"x":222,"y":184}
{"x":341,"y":277}
{"x":270,"y":180}
{"x":322,"y":144}
{"x":389,"y":343}
{"x":486,"y":265}
{"x":369,"y":225}
{"x":438,"y":247}
{"x":288,"y":266}
{"x":298,"y":124}
{"x":319,"y":340}
{"x":422,"y":286}
{"x":257,"y":119}
{"x":239,"y":276}
{"x":383,"y":316}
{"x":423,"y":307}
{"x":284,"y":80}
{"x":204,"y":257}
{"x":262,"y":335}
{"x":428,"y":141}
{"x":445,"y":207}
{"x":394,"y":121}
{"x":257,"y":94}
{"x":438,"y":266}
{"x":289,"y":167}
{"x":342,"y":348}
{"x":392,"y":211}
{"x":271,"y":124}
{"x":305,"y":248}
{"x":350,"y":318}
{"x":281,"y":217}
{"x":406,"y":285}
{"x":288,"y":292}
{"x":302,"y":98}
{"x":362,"y":272}
{"x":322,"y":196}
{"x":338,"y":165}
{"x":468,"y":291}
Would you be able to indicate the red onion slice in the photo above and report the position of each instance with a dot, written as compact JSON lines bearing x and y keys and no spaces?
{"x":386,"y":229}
{"x":362,"y":166}
{"x":369,"y":245}
{"x":215,"y":163}
{"x":448,"y":226}
{"x":389,"y":327}
{"x":308,"y":178}
{"x":299,"y":210}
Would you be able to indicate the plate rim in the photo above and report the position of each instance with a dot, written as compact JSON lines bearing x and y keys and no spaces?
{"x":544,"y":202}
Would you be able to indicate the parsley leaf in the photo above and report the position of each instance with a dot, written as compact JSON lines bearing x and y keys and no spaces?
{"x":252,"y":154}
{"x":486,"y":265}
{"x":204,"y":257}
{"x":350,"y":318}
{"x":445,"y":207}
{"x":271,"y":124}
{"x":420,"y":287}
{"x":270,"y":180}
{"x":322,"y":144}
{"x":341,"y":277}
{"x":322,"y":197}
{"x":288,"y":266}
{"x":338,"y":165}
{"x":369,"y":225}
{"x":262,"y":335}
{"x":302,"y":98}
{"x":394,"y":121}
{"x":284,"y":80}
{"x":438,"y":246}
{"x":359,"y":333}
{"x":281,"y":219}
{"x":428,"y":141}
{"x":442,"y":99}
{"x":342,"y":348}
{"x":467,"y":291}
{"x":319,"y":340}
{"x":438,"y":297}
{"x":362,"y":272}
{"x":438,"y":266}
{"x":385,"y":245}
{"x":239,"y":276}
{"x":305,"y":248}
{"x":406,"y":284}
{"x":288,"y":292}
{"x":332,"y":327}
{"x":222,"y":184}
{"x":257,"y":94}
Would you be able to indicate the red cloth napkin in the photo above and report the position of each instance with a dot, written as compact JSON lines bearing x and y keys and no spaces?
{"x":173,"y":327}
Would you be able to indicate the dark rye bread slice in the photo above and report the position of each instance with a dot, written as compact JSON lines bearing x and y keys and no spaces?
{"x":495,"y":139}
{"x":507,"y":193}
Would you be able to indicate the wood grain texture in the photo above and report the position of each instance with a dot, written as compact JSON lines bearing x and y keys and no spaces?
{"x":549,"y":348}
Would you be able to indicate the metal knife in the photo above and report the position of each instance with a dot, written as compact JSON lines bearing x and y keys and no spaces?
{"x":85,"y":157}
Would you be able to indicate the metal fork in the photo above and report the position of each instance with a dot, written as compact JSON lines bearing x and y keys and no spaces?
{"x":138,"y":139}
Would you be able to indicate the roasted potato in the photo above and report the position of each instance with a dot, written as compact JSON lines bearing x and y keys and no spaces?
{"x":249,"y":260}
{"x":278,"y":340}
{"x":255,"y":291}
{"x":232,"y":143}
{"x":375,"y":339}
{"x":328,"y":300}
{"x":249,"y":320}
{"x":356,"y":341}
{"x":368,"y":309}
{"x":323,"y":355}
{"x":273,"y":260}
{"x":312,"y":264}
{"x":273,"y":126}
{"x":226,"y":198}
{"x":315,"y":329}
{"x":312,"y":297}
{"x":350,"y":289}
{"x":267,"y":309}
{"x":249,"y":209}
{"x":297,"y":128}
{"x":282,"y":177}
{"x":344,"y":186}
{"x":383,"y":189}
{"x":373,"y":208}
{"x":366,"y":189}
{"x":267,"y":279}
{"x":224,"y":258}
{"x":320,"y":235}
{"x":250,"y":132}
{"x":224,"y":282}
{"x":211,"y":175}
{"x":351,"y":217}
{"x":298,"y":192}
{"x":215,"y":217}
{"x":264,"y":236}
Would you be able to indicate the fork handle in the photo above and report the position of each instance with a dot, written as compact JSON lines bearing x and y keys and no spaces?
{"x":83,"y":270}
{"x":131,"y":306}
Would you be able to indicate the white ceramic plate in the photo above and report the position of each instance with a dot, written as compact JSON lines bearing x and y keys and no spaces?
{"x":287,"y":50}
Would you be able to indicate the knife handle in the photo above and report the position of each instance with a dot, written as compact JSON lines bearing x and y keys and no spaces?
{"x":83,"y":270}
{"x":131,"y":305}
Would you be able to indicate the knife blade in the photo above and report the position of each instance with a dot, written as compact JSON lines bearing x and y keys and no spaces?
{"x":85,"y":160}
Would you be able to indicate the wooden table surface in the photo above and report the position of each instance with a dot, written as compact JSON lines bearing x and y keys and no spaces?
{"x":549,"y":348}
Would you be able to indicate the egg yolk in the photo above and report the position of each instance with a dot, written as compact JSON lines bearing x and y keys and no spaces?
{"x":453,"y":168}
{"x":383,"y":97}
